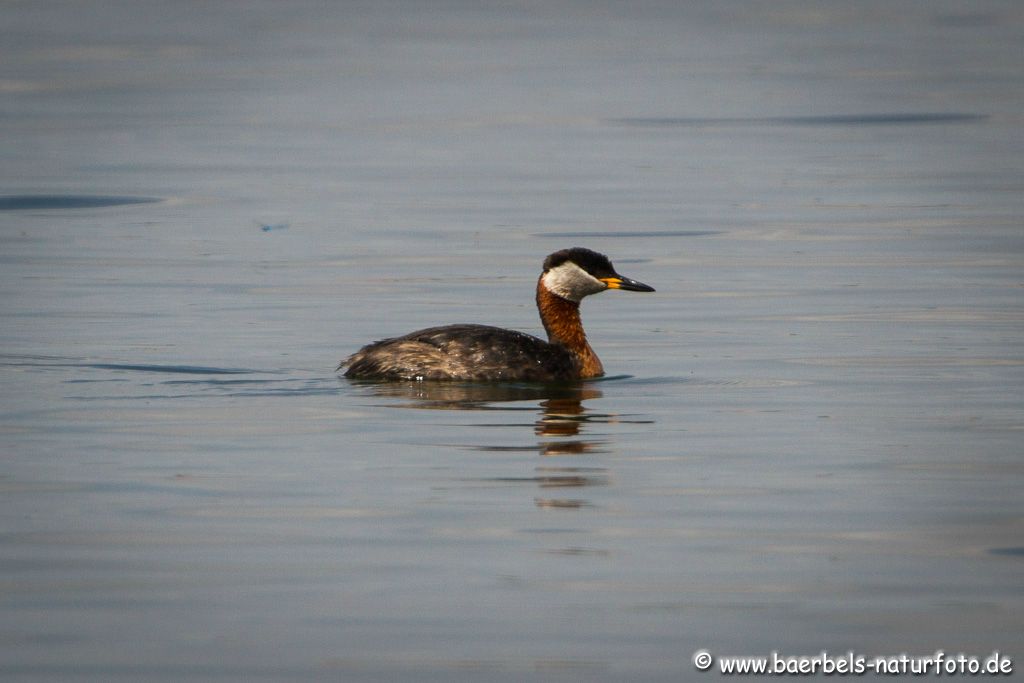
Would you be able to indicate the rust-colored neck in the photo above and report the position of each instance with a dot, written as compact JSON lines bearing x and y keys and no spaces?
{"x":561,"y":319}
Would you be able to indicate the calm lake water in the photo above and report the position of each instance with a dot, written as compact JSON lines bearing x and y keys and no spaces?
{"x":810,"y":437}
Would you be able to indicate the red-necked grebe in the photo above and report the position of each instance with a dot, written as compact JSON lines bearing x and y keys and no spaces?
{"x":484,"y":353}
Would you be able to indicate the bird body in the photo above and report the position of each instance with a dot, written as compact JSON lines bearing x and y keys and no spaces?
{"x":485,"y":353}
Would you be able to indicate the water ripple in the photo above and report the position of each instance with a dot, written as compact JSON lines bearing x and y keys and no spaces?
{"x":889,"y":119}
{"x":23,"y":202}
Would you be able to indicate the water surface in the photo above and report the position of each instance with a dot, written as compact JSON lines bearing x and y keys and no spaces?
{"x":810,"y":436}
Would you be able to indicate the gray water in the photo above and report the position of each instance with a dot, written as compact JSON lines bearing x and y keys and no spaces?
{"x":810,"y":436}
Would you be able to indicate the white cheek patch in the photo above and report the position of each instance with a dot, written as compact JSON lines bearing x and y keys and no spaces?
{"x":571,"y":282}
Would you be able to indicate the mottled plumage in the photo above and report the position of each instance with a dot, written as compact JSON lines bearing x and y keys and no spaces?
{"x":470,"y":352}
{"x":484,"y":353}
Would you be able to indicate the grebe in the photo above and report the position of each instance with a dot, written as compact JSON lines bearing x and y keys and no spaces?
{"x":484,"y":353}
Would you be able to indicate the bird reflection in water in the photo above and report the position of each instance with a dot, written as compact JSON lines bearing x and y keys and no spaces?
{"x":561,"y":421}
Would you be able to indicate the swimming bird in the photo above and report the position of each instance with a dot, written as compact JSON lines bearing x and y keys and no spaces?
{"x":485,"y":353}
